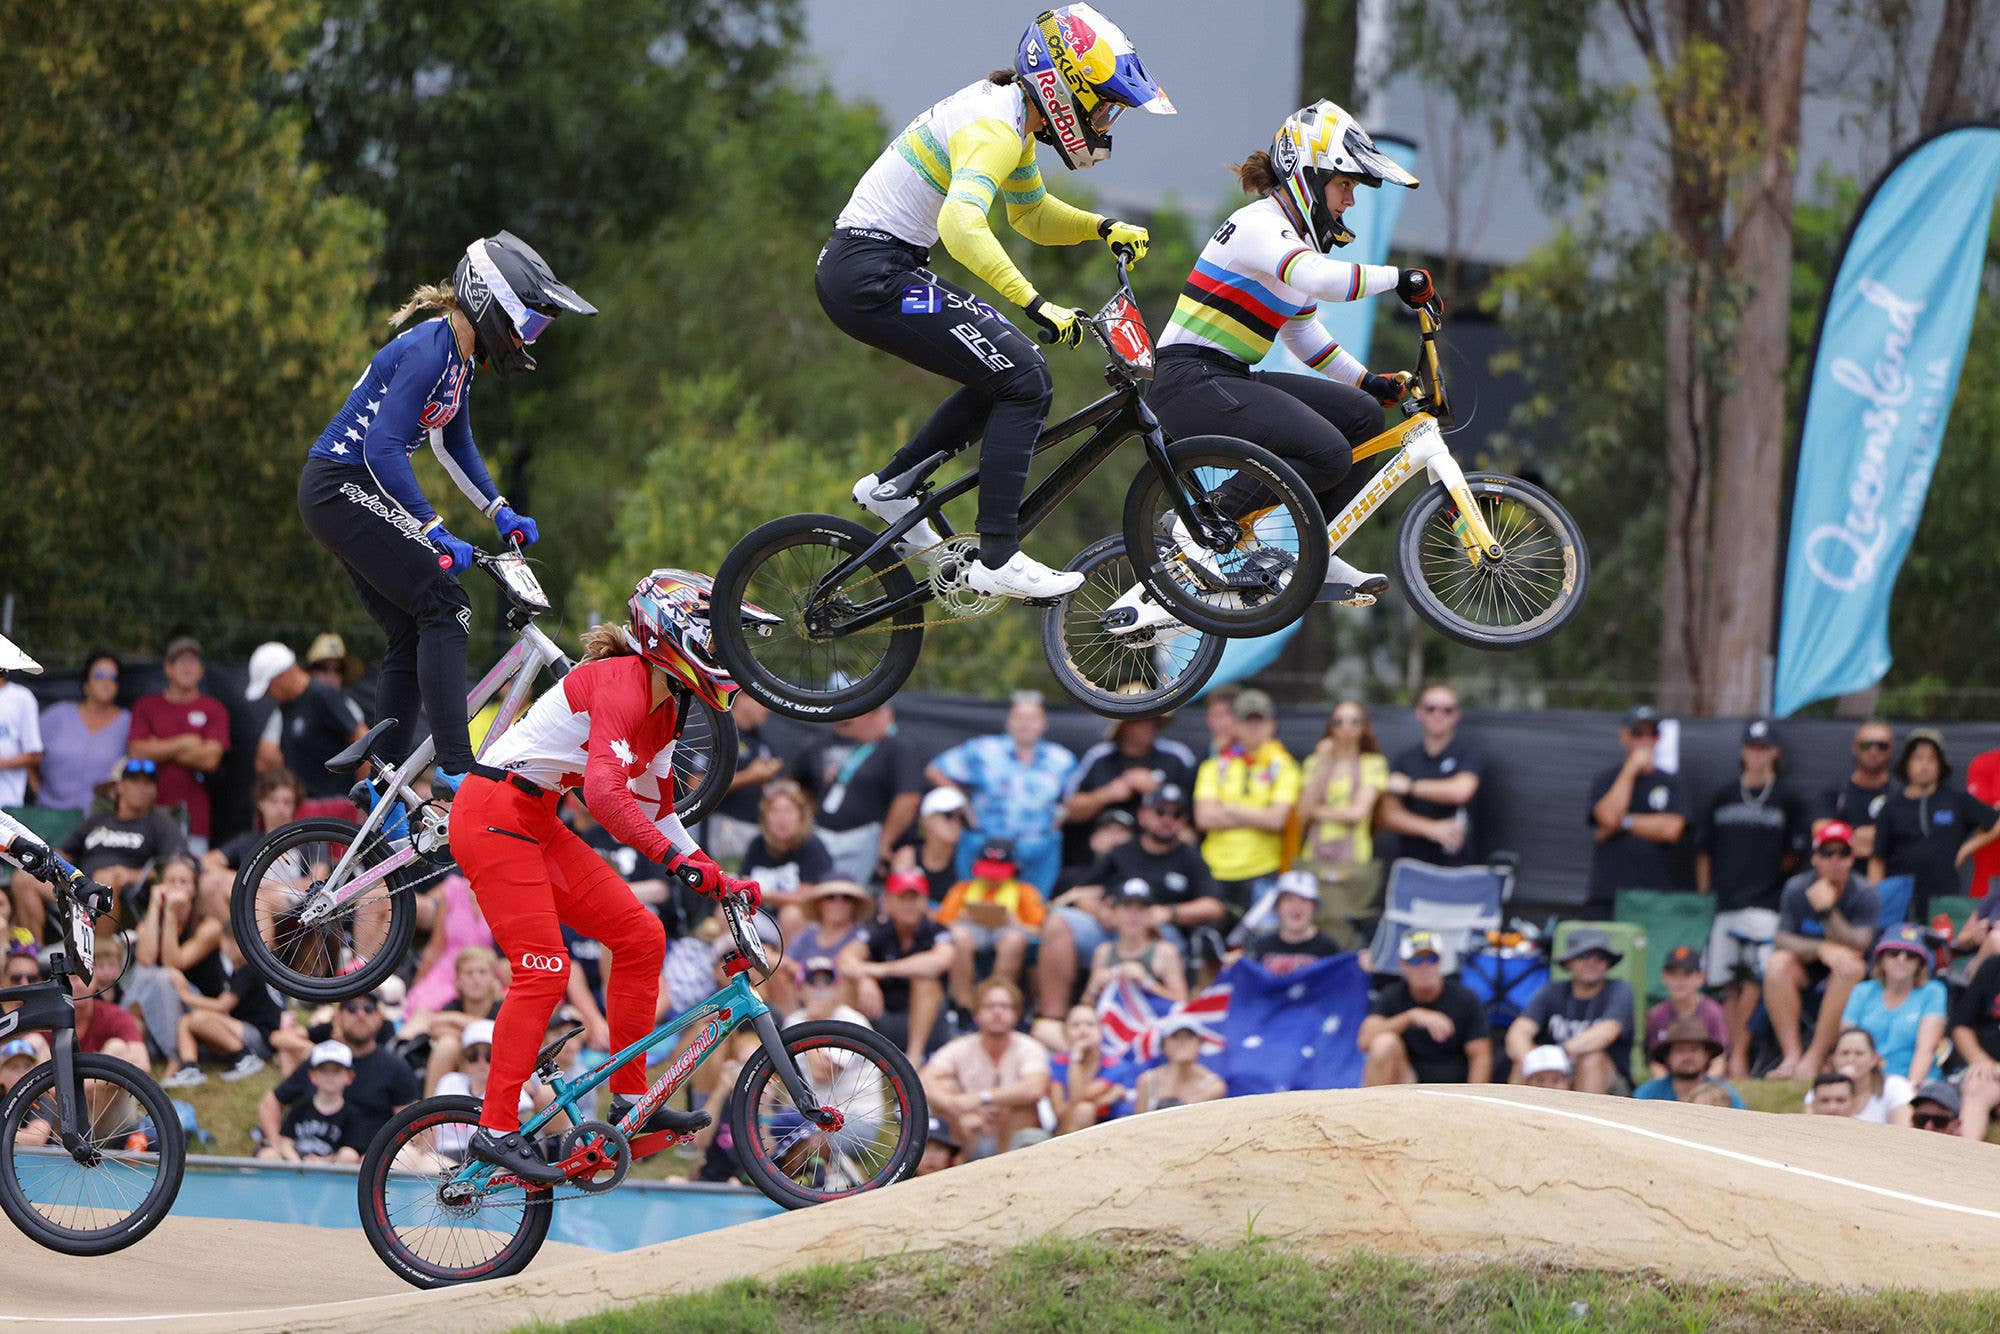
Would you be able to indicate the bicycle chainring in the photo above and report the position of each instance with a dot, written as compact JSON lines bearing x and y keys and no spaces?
{"x":951,"y":561}
{"x":597,"y":1155}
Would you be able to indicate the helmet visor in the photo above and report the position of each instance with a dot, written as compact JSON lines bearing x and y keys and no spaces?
{"x":531,"y":324}
{"x":1104,"y":113}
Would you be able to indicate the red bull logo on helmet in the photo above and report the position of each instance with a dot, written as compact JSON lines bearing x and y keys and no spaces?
{"x":1061,"y":115}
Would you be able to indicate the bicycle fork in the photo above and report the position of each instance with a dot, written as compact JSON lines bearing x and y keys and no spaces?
{"x":1422,"y":446}
{"x":72,"y":1105}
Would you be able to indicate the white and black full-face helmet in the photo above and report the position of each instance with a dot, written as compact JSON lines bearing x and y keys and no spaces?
{"x":509,"y":293}
{"x":12,"y":659}
{"x":1314,"y":145}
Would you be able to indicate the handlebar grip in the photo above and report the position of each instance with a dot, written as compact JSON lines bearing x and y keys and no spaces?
{"x":444,"y":560}
{"x":690,"y":876}
{"x":1125,"y":253}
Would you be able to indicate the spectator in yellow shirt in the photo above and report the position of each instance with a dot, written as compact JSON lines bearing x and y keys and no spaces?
{"x":1243,"y":798}
{"x":994,"y":912}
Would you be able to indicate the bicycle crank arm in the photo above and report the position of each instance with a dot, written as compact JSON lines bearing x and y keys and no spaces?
{"x":645,"y":1146}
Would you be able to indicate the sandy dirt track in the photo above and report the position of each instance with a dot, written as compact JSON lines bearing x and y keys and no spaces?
{"x":1690,"y":1191}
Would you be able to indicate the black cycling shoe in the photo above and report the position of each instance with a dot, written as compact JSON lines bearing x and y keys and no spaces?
{"x":663,"y":1118}
{"x":510,"y":1153}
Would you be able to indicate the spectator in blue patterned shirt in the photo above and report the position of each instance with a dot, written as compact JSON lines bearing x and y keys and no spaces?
{"x":1015,"y":784}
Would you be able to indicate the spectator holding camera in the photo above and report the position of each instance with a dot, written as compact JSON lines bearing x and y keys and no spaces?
{"x":1344,"y":779}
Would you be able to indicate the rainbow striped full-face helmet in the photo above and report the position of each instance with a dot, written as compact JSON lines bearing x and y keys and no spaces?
{"x":1081,"y":73}
{"x":1314,"y":145}
{"x":669,"y":626}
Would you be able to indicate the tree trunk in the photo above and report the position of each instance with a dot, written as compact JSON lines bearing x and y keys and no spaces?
{"x":1942,"y":100}
{"x":1682,"y":588}
{"x":1329,"y":32}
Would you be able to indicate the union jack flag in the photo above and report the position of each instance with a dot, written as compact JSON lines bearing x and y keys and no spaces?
{"x":1131,"y":1017}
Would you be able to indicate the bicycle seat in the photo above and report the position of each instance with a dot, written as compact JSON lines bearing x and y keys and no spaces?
{"x":553,"y":1047}
{"x":348,"y":760}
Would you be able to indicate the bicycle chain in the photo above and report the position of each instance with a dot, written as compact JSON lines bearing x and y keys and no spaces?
{"x":946,"y":578}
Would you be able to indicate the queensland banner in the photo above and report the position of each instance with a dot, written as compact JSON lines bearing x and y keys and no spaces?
{"x":1891,"y":340}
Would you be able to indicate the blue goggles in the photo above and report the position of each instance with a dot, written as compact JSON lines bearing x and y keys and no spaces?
{"x":135,"y":768}
{"x":532,"y":323}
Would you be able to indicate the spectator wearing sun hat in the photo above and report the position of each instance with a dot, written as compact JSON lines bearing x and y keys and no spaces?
{"x":1588,"y":1014}
{"x":839,"y":912}
{"x":1425,"y":1028}
{"x":1681,"y":971}
{"x":1901,"y":1005}
{"x":1293,"y":939}
{"x":1685,"y":1051}
{"x":1929,"y":827}
{"x":1826,"y":924}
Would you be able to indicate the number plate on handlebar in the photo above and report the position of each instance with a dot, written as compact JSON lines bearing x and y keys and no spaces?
{"x":82,"y":941}
{"x":747,"y":939}
{"x":1124,"y":332}
{"x":515,"y":575}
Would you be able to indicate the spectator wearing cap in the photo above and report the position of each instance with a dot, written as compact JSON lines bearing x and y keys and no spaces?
{"x":866,"y":781}
{"x":1686,"y":1051}
{"x":20,"y":742}
{"x":987,"y":1085}
{"x":727,"y":831}
{"x":320,"y":1127}
{"x":821,"y":995}
{"x":996,"y":912}
{"x":115,"y":848}
{"x":1344,"y":779}
{"x":1858,"y":802}
{"x":1929,"y":828}
{"x":329,"y":662}
{"x":1751,"y":835}
{"x":81,"y":738}
{"x":1546,"y":1067}
{"x":1431,"y":785}
{"x":1294,"y":940}
{"x":1425,"y":1028}
{"x":1826,"y":925}
{"x":1115,"y":775}
{"x":186,"y":733}
{"x":383,"y":1081}
{"x":17,"y":1057}
{"x":1936,"y":1107}
{"x":1975,"y":1038}
{"x":1135,"y":950}
{"x":899,"y":965}
{"x":1681,"y":970}
{"x":838,"y":912}
{"x":313,"y":722}
{"x":1185,"y":904}
{"x":1243,"y":798}
{"x":1182,"y":1079}
{"x":940,"y":1148}
{"x":942,"y":819}
{"x":1015,"y":783}
{"x":474,"y":1062}
{"x":1832,"y":1094}
{"x":1588,"y":1014}
{"x":1900,"y":1004}
{"x":1637,"y":814}
{"x":786,"y":857}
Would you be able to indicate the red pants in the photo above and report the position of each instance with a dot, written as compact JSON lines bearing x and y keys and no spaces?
{"x":531,"y":875}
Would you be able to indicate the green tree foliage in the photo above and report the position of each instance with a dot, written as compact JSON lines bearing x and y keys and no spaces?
{"x":181,"y":313}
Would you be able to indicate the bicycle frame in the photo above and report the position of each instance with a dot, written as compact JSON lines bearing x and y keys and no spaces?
{"x":48,"y":1006}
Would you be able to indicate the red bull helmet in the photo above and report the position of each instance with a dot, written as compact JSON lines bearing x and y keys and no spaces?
{"x":1081,"y":72}
{"x":1314,"y":145}
{"x":669,"y":626}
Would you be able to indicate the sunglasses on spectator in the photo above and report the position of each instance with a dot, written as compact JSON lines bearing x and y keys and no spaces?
{"x":21,"y":977}
{"x":1835,"y":853}
{"x":1437,"y":708}
{"x":1645,"y":730}
{"x":1167,"y":812}
{"x":482,"y":1052}
{"x":1348,"y":720}
{"x":1871,"y":745}
{"x":104,"y":674}
{"x":1930,"y":1121}
{"x":363,"y":1006}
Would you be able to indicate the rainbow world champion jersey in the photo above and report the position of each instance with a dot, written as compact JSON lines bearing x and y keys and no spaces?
{"x":1257,"y":282}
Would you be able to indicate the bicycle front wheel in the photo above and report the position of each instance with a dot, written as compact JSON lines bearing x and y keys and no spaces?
{"x":815,"y":665}
{"x":133,"y":1152}
{"x":704,"y":759}
{"x":1111,"y":647}
{"x":429,"y":1232}
{"x":881,"y":1123}
{"x":350,"y":950}
{"x":1262,"y":559}
{"x":1519,"y":598}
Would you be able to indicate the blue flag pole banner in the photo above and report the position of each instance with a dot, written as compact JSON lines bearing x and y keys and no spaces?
{"x":1886,"y":360}
{"x":1372,"y":219}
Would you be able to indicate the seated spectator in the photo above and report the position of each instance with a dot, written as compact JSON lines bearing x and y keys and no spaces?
{"x":104,"y":1027}
{"x":1078,"y":1090}
{"x":899,"y":964}
{"x":1183,"y":1079}
{"x":993,"y":911}
{"x":1547,"y":1067}
{"x":1588,"y":1015}
{"x":838,"y":911}
{"x":1637,"y":814}
{"x":820,"y":995}
{"x":1015,"y":784}
{"x":940,"y":1149}
{"x":1936,"y":1107}
{"x":17,"y":1057}
{"x":942,"y":819}
{"x":1243,"y":799}
{"x":237,"y":1025}
{"x":177,"y":953}
{"x":1928,"y":828}
{"x":721,"y":1162}
{"x":1294,"y":940}
{"x":1900,"y":1004}
{"x":83,"y":739}
{"x":1425,"y":1028}
{"x":1116,"y":774}
{"x":321,"y":1126}
{"x":1682,"y":972}
{"x":1687,"y":1049}
{"x":785,"y":857}
{"x":475,"y":1063}
{"x":23,"y":969}
{"x":1975,"y":1037}
{"x":1977,"y":936}
{"x":477,"y":993}
{"x":1833,"y":1094}
{"x":987,"y":1085}
{"x":1427,"y":797}
{"x":457,"y":925}
{"x":1344,"y":777}
{"x":1826,"y":924}
{"x":1879,"y":1098}
{"x":647,"y":879}
{"x":1136,"y":951}
{"x":275,"y":798}
{"x":313,"y":722}
{"x":383,"y":1081}
{"x":1113,"y":829}
{"x":115,"y":848}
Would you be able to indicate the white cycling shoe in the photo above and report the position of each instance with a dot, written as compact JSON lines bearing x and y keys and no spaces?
{"x":1350,"y":586}
{"x":915,"y":542}
{"x":1021,"y":577}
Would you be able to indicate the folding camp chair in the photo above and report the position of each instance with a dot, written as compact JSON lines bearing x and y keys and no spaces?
{"x":1458,"y":904}
{"x":1670,"y":918}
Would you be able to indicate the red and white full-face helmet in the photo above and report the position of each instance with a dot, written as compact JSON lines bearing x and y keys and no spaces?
{"x":669,"y":627}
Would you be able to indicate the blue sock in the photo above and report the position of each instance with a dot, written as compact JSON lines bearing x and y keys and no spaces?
{"x":448,"y":781}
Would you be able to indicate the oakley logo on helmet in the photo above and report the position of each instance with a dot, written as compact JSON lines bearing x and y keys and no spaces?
{"x":543,"y":963}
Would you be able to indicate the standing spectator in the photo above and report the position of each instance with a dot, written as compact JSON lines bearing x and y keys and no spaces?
{"x":1982,"y":783}
{"x":20,"y":741}
{"x":899,"y":966}
{"x":993,"y":911}
{"x":1243,"y":799}
{"x":1116,"y":774}
{"x":1344,"y":777}
{"x":1432,"y":783}
{"x":1858,"y":802}
{"x":1832,"y":1094}
{"x":1928,"y":829}
{"x":1936,"y":1107}
{"x":320,"y":1126}
{"x":1751,"y":835}
{"x":383,"y":1083}
{"x":1295,"y":941}
{"x":1113,"y":829}
{"x":185,"y":732}
{"x":867,"y":782}
{"x":730,"y":826}
{"x":328,"y":661}
{"x":1136,"y":951}
{"x":1975,"y":1035}
{"x":1015,"y":784}
{"x":784,"y":856}
{"x":1686,"y":1050}
{"x":1218,"y":718}
{"x":313,"y":723}
{"x":1826,"y":924}
{"x":1589,"y":1015}
{"x":1547,"y":1067}
{"x":82,"y":739}
{"x":1901,"y":1005}
{"x":987,"y":1084}
{"x":1682,"y":973}
{"x":1638,"y":814}
{"x":1183,"y":1079}
{"x":1425,"y":1028}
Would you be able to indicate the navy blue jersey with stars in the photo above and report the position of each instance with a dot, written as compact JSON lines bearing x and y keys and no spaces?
{"x":412,"y":393}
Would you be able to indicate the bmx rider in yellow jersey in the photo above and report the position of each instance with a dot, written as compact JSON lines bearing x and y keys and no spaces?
{"x":1074,"y":74}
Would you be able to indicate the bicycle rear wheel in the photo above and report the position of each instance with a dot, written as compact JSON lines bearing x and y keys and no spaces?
{"x":1135,"y":673}
{"x":883,"y":1116}
{"x":811,"y":667}
{"x":1264,"y":559}
{"x":1521,"y":598}
{"x":429,"y":1234}
{"x":351,"y":950}
{"x":704,"y":759}
{"x":136,"y":1153}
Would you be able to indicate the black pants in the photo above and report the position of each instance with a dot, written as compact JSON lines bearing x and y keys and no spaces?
{"x":422,"y":609}
{"x":879,"y":292}
{"x":1307,"y":420}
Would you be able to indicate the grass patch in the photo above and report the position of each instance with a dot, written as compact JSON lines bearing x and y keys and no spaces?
{"x":1096,"y":1286}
